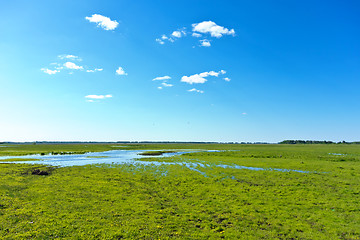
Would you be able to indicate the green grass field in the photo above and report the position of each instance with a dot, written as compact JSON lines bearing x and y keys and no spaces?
{"x":175,"y":202}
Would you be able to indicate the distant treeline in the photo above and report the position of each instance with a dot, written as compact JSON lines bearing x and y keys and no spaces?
{"x":130,"y":142}
{"x":314,"y":142}
{"x":174,"y":142}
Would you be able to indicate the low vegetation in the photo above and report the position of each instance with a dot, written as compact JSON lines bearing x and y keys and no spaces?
{"x":176,"y":202}
{"x":155,"y":153}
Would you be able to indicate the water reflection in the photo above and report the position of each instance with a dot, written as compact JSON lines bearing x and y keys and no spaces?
{"x":129,"y":157}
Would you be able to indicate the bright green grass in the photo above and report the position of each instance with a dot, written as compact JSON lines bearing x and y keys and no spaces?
{"x":171,"y":201}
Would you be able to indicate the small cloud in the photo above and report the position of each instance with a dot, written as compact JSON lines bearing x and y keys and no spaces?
{"x":166,"y":84}
{"x":103,"y":22}
{"x":159,"y":41}
{"x":205,"y":43}
{"x":98,"y":97}
{"x":211,"y":73}
{"x":69,"y":56}
{"x":244,"y":113}
{"x":176,"y":34}
{"x":196,"y":35}
{"x":195,"y":90}
{"x":212,"y":28}
{"x":162,"y":78}
{"x":71,"y":65}
{"x":171,"y":38}
{"x":196,"y":78}
{"x":160,"y":88}
{"x":201,"y":77}
{"x":48,"y":71}
{"x":120,"y":71}
{"x":95,"y":70}
{"x":227,"y":79}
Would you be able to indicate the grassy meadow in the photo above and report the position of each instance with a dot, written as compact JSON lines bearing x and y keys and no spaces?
{"x":174,"y":202}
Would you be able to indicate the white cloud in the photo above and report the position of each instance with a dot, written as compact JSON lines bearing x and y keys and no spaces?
{"x":48,"y":71}
{"x":171,"y":38}
{"x":196,"y":35}
{"x":160,"y":41}
{"x":227,"y":79}
{"x":244,"y":113}
{"x":103,"y":22}
{"x":196,"y":78}
{"x":95,"y":70}
{"x":162,"y":78}
{"x":69,"y":56}
{"x":98,"y":96}
{"x":176,"y":34}
{"x":211,"y":73}
{"x":164,"y":37}
{"x":71,"y":65}
{"x":205,"y":43}
{"x":120,"y":71}
{"x":166,"y":84}
{"x":201,"y":77}
{"x":212,"y":28}
{"x":160,"y":88}
{"x":195,"y":90}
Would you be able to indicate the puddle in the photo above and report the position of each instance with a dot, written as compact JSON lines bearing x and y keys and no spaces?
{"x":337,"y":154}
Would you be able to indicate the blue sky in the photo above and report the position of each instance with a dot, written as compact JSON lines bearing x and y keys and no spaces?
{"x":228,"y":70}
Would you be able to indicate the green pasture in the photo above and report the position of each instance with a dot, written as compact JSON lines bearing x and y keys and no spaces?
{"x":174,"y":202}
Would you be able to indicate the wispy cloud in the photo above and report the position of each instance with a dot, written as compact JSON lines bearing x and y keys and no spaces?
{"x":48,"y":71}
{"x":227,"y":79}
{"x":205,"y":43}
{"x":171,"y":38}
{"x":95,"y":70}
{"x":196,"y":35}
{"x":162,"y":78}
{"x":71,"y":65}
{"x":69,"y":56}
{"x":93,"y":98}
{"x":166,"y":84}
{"x":159,"y":41}
{"x":212,"y":28}
{"x":103,"y":22}
{"x":195,"y":90}
{"x":120,"y":71}
{"x":201,"y":77}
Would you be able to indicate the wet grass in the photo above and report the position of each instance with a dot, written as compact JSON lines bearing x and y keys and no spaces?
{"x":173,"y":201}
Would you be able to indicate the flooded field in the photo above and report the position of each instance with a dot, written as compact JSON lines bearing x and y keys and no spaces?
{"x":183,"y":191}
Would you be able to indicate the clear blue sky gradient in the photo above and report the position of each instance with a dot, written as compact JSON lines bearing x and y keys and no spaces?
{"x":294,"y":68}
